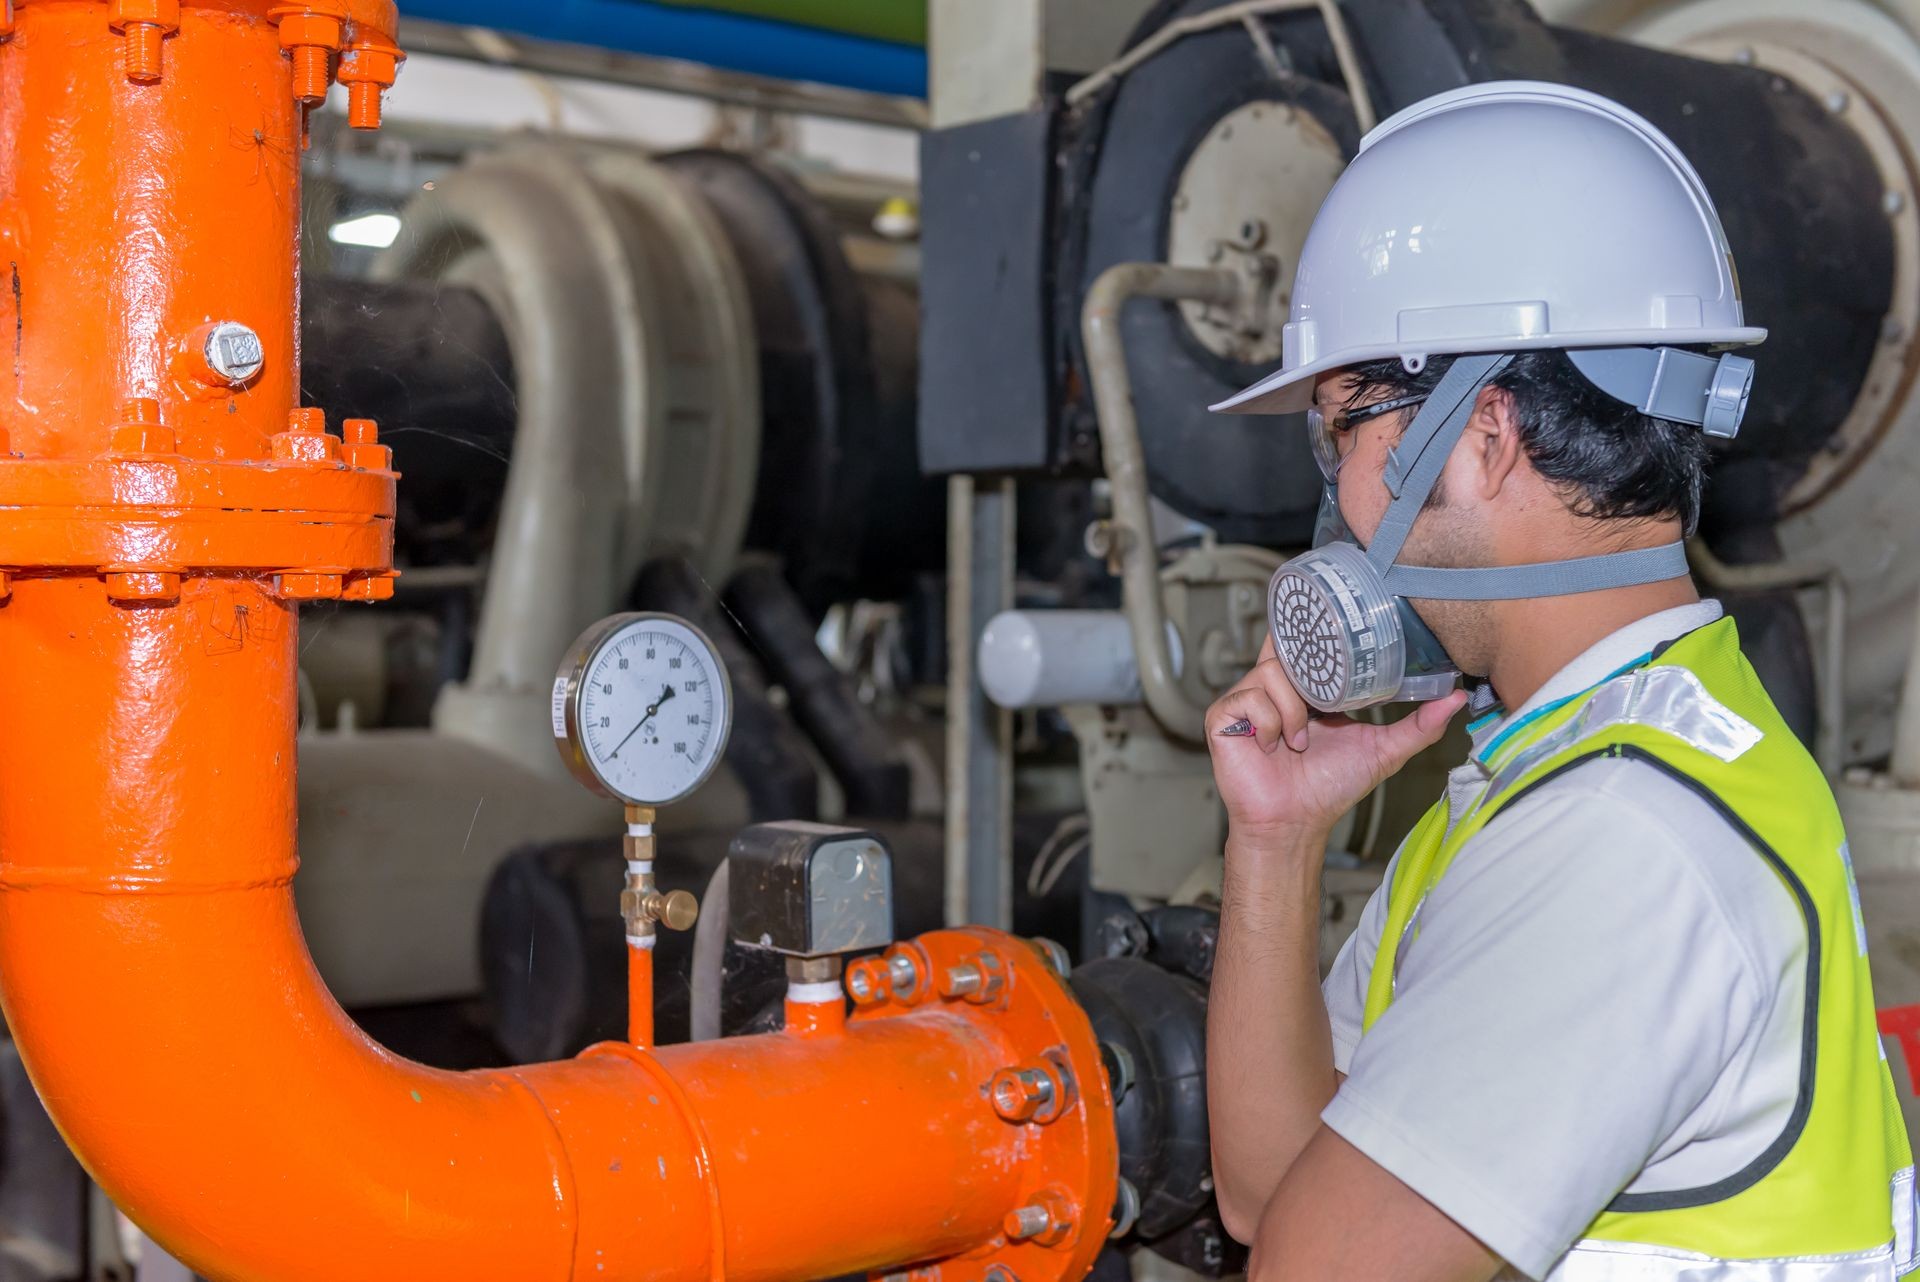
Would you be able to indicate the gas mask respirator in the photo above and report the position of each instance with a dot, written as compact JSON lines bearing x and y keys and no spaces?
{"x":1343,"y":623}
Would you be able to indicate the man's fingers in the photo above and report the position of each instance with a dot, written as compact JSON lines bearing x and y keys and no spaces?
{"x":1294,"y":712}
{"x":1252,"y":704}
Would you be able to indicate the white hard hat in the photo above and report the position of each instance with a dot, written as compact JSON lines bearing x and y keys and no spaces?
{"x":1504,"y":217}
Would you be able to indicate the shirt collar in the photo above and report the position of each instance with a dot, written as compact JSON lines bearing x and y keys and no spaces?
{"x":1625,"y":648}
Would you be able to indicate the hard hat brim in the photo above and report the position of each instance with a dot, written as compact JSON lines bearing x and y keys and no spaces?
{"x":1291,"y":391}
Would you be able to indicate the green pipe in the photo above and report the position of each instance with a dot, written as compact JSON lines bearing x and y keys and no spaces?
{"x":901,"y":21}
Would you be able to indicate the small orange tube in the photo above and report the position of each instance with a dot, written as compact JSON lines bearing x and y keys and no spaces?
{"x":640,"y":995}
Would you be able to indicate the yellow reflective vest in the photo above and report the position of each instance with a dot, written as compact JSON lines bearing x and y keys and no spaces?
{"x":1832,"y":1198}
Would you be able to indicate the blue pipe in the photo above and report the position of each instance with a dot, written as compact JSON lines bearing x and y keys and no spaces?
{"x":726,"y":40}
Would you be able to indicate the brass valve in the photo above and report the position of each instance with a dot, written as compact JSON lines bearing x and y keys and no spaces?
{"x":674,"y":909}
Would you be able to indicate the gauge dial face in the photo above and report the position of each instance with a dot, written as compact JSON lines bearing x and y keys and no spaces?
{"x":642,"y":708}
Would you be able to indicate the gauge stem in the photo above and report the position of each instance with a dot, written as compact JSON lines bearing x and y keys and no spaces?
{"x":640,"y":926}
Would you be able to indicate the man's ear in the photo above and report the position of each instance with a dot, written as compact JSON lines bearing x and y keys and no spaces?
{"x":1493,"y":442}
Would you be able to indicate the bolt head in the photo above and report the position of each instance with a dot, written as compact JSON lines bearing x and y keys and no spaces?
{"x":144,"y":438}
{"x":369,"y":587}
{"x":234,"y":353}
{"x":1000,"y":1273}
{"x":309,"y":587}
{"x":143,"y":586}
{"x":1838,"y":101}
{"x":1893,"y":203}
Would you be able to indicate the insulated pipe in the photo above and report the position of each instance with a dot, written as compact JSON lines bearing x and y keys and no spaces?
{"x":1132,"y":539}
{"x":151,"y":967}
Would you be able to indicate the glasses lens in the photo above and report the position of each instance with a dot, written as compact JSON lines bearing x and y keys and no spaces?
{"x":1326,"y":450}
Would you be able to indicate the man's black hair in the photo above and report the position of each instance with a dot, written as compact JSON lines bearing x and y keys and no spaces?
{"x":1606,"y":458}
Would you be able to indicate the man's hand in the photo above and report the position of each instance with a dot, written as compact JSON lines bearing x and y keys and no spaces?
{"x":1294,"y":777}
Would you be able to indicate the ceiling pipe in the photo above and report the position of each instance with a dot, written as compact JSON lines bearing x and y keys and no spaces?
{"x":168,"y":508}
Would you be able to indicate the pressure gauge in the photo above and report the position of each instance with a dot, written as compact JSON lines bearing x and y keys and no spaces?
{"x":641,"y":708}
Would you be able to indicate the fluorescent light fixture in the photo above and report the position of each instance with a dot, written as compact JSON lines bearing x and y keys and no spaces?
{"x":370,"y":231}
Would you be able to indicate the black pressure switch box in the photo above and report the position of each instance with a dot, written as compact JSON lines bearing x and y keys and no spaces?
{"x":809,"y":890}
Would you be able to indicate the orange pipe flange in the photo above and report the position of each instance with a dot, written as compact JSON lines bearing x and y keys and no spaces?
{"x":152,"y":973}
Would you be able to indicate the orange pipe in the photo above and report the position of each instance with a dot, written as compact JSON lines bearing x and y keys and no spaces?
{"x":151,"y":967}
{"x":153,"y":975}
{"x":640,"y":995}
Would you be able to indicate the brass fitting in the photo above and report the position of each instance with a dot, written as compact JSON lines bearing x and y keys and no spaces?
{"x":146,"y":24}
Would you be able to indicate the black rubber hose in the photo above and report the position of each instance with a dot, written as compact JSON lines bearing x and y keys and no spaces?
{"x":766,"y":752}
{"x":858,"y":750}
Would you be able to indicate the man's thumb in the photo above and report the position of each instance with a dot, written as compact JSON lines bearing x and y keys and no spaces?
{"x":1422,"y":729}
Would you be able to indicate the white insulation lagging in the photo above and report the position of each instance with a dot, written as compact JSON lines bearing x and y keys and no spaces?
{"x":709,"y":958}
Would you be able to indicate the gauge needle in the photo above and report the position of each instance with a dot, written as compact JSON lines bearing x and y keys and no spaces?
{"x":665,"y":695}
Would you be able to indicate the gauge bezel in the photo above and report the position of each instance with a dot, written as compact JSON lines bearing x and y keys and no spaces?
{"x":570,"y":688}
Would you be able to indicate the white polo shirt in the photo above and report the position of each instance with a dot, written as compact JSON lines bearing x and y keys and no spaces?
{"x":1605,"y":995}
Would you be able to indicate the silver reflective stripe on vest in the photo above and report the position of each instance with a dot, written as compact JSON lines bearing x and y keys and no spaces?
{"x":1594,"y":1261}
{"x":1668,"y":699}
{"x":1906,"y":1233}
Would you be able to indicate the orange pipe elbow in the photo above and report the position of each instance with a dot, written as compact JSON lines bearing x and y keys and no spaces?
{"x":168,"y":505}
{"x":153,"y":974}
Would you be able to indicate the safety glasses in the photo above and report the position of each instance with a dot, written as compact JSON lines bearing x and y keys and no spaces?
{"x":1324,"y":427}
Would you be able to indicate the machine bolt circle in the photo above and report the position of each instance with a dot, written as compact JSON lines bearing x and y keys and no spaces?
{"x":1027,"y":1221}
{"x":128,"y":586}
{"x":962,"y":980}
{"x":1020,"y":1093}
{"x":1126,"y":1209}
{"x":1000,"y":1273}
{"x":979,"y":980}
{"x":145,"y":45}
{"x":363,"y":105}
{"x":234,"y":353}
{"x":1893,"y":202}
{"x":1055,"y":955}
{"x":903,"y":973}
{"x":312,"y":73}
{"x":1121,"y":1073}
{"x":860,"y":986}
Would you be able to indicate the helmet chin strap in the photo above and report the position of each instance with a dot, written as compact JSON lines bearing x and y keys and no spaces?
{"x":1413,"y":469}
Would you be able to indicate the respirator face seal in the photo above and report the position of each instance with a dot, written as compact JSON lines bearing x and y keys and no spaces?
{"x":1342,"y":618}
{"x":1345,"y":641}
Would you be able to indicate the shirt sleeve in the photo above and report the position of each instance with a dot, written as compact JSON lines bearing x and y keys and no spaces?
{"x":1573,"y":992}
{"x":1345,"y":987}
